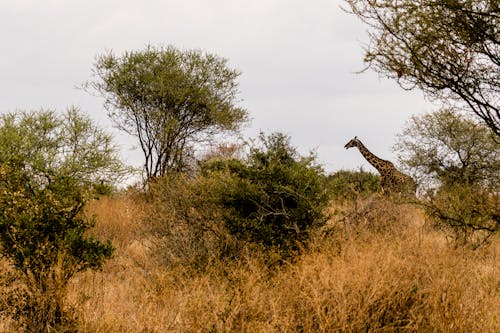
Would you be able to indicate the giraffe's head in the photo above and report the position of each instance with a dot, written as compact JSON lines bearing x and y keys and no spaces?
{"x":353,"y":143}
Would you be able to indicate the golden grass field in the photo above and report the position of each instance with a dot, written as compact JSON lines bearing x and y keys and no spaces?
{"x":361,"y":276}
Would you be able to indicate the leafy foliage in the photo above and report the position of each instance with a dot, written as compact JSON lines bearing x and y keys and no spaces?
{"x":274,"y":197}
{"x":169,"y":99}
{"x":469,"y":211}
{"x":37,"y":225}
{"x":346,"y":184}
{"x":458,"y":161}
{"x":47,"y":165}
{"x":48,"y":146}
{"x":448,"y":48}
{"x":446,"y":148}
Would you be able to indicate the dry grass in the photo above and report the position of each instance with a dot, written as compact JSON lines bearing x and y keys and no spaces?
{"x":373,"y":275}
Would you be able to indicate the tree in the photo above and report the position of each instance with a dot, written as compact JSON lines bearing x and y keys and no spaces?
{"x":170,"y":100}
{"x":48,"y":164}
{"x":444,"y":148}
{"x":457,"y":160}
{"x":450,"y":49}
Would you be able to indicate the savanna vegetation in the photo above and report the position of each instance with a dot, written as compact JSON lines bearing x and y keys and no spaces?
{"x":374,"y":266}
{"x":457,"y":161}
{"x":251,"y":237}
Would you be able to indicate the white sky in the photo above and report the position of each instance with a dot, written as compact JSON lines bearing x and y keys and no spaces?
{"x":298,"y":61}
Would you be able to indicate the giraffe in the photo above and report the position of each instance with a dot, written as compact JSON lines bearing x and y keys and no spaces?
{"x":392,"y":180}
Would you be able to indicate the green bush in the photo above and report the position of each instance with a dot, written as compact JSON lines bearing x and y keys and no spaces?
{"x":274,"y":197}
{"x":347,"y":184}
{"x":46,"y":176}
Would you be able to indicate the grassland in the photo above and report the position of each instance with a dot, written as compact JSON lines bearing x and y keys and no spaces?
{"x":377,"y":267}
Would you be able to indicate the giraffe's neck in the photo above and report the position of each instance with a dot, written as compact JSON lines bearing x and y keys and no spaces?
{"x":378,"y":163}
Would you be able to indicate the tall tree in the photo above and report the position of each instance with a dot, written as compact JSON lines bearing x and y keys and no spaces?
{"x":448,"y":48}
{"x":169,"y":99}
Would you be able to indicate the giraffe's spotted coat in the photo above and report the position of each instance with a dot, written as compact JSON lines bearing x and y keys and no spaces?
{"x":392,"y":180}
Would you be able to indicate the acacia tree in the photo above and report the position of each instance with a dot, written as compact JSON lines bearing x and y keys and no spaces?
{"x":457,"y":160}
{"x":445,"y":148}
{"x":169,"y":99}
{"x":450,"y":49}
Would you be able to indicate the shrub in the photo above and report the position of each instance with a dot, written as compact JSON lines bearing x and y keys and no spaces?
{"x":468,"y":212}
{"x":347,"y":184}
{"x":185,"y":220}
{"x":273,"y":198}
{"x":44,"y":178}
{"x":269,"y":200}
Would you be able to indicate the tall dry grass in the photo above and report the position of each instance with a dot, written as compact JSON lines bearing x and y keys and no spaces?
{"x":377,"y":268}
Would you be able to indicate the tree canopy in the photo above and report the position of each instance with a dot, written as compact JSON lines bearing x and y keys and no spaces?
{"x":444,"y":148}
{"x":47,"y":146}
{"x":450,"y":49}
{"x":170,"y":100}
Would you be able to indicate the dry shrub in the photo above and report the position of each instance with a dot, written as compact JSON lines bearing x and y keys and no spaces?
{"x":230,"y":302}
{"x":12,"y":294}
{"x":26,"y":305}
{"x":374,"y":213}
{"x":120,"y":298}
{"x":468,"y":214}
{"x":186,"y":224}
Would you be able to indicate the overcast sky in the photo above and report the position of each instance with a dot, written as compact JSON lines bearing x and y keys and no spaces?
{"x":298,"y":61}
